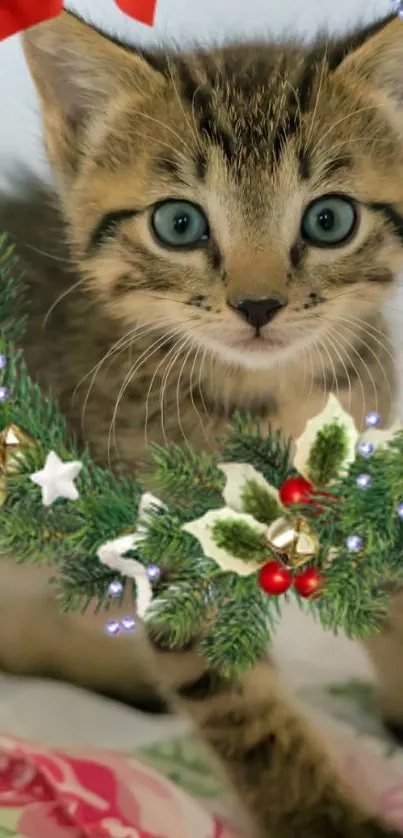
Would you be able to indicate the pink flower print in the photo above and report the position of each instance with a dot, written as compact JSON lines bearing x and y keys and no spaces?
{"x":48,"y":821}
{"x":21,"y":783}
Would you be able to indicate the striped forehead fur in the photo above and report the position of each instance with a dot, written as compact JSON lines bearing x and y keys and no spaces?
{"x":249,"y":100}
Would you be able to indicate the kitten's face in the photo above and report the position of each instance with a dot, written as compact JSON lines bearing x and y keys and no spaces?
{"x":245,"y":199}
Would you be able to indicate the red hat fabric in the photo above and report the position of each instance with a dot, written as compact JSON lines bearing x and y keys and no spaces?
{"x":17,"y":15}
{"x":142,"y":10}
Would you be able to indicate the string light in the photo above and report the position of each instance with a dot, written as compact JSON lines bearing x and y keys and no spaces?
{"x":372,"y":419}
{"x":364,"y":481}
{"x":115,"y":589}
{"x":354,"y":543}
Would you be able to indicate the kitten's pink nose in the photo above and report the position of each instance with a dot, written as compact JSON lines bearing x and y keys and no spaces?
{"x":258,"y":312}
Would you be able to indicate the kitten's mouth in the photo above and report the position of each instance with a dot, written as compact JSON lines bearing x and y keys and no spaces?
{"x":255,"y":343}
{"x":255,"y":351}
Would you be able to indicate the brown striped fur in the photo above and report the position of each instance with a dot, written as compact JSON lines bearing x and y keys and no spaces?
{"x":252,"y":133}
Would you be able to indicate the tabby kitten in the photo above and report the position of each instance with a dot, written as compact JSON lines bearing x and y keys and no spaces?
{"x":234,"y":224}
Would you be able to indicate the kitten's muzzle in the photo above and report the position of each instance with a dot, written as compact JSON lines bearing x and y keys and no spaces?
{"x":258,"y":312}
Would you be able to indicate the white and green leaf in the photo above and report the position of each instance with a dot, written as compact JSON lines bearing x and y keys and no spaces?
{"x":327,"y":446}
{"x":234,"y":540}
{"x":247,"y":491}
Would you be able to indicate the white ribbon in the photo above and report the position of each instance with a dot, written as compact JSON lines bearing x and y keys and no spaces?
{"x":148,"y":503}
{"x":112,"y":554}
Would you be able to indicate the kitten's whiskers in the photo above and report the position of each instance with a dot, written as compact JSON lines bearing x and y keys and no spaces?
{"x":317,"y":346}
{"x":49,"y":255}
{"x":61,"y":297}
{"x":181,"y":343}
{"x":344,"y":349}
{"x":373,"y":353}
{"x":178,"y":395}
{"x":158,"y":367}
{"x":117,"y":348}
{"x":143,"y":358}
{"x":192,"y":398}
{"x":199,"y":384}
{"x":347,"y":374}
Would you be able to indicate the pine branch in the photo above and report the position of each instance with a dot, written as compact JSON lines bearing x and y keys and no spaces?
{"x":193,"y":477}
{"x":269,"y":454}
{"x":232,"y":644}
{"x":177,"y":617}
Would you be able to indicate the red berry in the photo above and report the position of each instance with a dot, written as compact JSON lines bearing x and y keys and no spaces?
{"x":296,"y":490}
{"x":308,"y":582}
{"x":274,"y":578}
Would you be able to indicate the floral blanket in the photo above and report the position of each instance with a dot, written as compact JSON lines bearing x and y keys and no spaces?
{"x":49,"y":793}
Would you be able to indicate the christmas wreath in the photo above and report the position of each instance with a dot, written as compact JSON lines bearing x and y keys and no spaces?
{"x":225,"y":540}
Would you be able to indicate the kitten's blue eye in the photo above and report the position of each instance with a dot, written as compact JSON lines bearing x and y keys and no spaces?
{"x":329,"y":221}
{"x":179,"y":224}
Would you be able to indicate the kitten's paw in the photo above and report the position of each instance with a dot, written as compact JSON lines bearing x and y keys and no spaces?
{"x":174,"y":668}
{"x":183,"y":673}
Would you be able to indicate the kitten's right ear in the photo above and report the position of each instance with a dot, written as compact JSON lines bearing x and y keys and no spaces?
{"x":377,"y":60}
{"x":77,"y":70}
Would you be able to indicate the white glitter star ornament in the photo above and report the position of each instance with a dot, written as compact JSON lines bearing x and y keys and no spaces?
{"x":56,"y":479}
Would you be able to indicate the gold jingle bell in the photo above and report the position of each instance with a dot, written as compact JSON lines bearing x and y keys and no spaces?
{"x":293,"y":539}
{"x":13,"y":440}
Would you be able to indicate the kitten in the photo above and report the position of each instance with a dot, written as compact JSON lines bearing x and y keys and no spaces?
{"x":234,"y":225}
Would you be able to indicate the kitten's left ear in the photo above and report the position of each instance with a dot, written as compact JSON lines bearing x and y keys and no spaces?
{"x":378,"y":62}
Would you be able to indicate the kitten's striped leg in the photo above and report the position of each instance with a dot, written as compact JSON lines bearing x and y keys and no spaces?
{"x":275,"y":763}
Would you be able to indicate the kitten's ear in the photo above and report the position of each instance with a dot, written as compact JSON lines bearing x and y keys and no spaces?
{"x":378,"y":61}
{"x":76,"y":71}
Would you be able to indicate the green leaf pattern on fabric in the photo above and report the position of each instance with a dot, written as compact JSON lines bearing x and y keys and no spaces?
{"x":185,"y":761}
